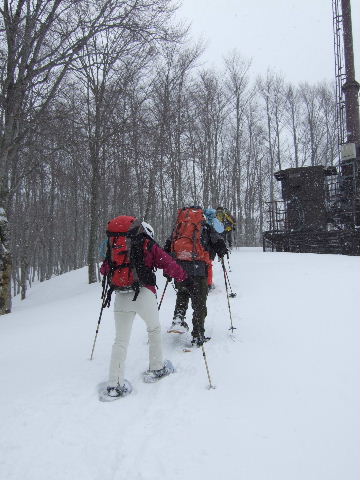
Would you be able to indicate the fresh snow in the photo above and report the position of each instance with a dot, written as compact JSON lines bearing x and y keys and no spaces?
{"x":286,"y":403}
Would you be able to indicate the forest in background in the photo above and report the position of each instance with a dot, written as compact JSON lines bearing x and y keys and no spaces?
{"x":108,"y":109}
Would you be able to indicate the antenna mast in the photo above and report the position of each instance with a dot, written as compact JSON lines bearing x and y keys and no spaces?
{"x":347,"y":88}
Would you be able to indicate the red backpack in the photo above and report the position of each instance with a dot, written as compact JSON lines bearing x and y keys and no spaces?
{"x":117,"y":231}
{"x":186,"y":238}
{"x":125,"y":255}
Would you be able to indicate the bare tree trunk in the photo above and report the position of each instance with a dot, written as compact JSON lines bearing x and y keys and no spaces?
{"x":5,"y":265}
{"x":23,"y":276}
{"x":94,"y":219}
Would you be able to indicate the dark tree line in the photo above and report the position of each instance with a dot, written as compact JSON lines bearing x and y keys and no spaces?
{"x":105,"y":110}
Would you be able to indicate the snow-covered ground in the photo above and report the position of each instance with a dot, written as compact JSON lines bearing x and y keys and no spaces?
{"x":286,"y":406}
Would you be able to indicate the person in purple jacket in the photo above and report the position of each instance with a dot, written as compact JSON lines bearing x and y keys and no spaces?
{"x":144,"y":304}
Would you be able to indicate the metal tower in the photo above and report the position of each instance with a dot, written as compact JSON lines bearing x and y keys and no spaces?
{"x":340,"y":75}
{"x":347,"y":88}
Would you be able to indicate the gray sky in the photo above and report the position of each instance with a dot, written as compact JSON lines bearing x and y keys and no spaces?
{"x":293,"y":37}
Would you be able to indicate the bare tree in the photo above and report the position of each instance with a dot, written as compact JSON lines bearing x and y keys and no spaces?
{"x":327,"y":97}
{"x":40,"y":41}
{"x":313,"y":126}
{"x":293,"y":120}
{"x":237,"y":70}
{"x":266,"y":88}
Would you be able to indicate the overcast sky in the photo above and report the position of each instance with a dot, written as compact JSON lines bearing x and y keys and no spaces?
{"x":291,"y":37}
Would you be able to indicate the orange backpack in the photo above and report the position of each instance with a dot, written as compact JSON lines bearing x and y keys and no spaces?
{"x":186,"y":238}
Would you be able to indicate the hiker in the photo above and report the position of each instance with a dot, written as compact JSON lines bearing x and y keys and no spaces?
{"x":132,"y":255}
{"x":229,"y":222}
{"x":192,"y":243}
{"x":211,"y":219}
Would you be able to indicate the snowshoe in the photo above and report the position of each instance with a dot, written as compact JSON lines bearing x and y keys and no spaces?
{"x":188,"y":348}
{"x":109,"y":393}
{"x":178,"y":326}
{"x":151,"y":376}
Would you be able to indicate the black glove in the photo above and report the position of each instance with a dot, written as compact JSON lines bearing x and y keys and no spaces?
{"x":234,"y":228}
{"x":222,"y":250}
{"x":167,"y":246}
{"x":168,"y":278}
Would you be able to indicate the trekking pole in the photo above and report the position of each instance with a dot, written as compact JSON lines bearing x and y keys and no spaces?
{"x":106,"y":298}
{"x":232,"y":328}
{"x":232,"y":294}
{"x":162,"y":296}
{"x":228,"y":262}
{"x":207,"y":368}
{"x":97,"y":330}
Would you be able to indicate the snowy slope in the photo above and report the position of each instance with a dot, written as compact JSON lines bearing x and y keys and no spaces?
{"x":286,"y":406}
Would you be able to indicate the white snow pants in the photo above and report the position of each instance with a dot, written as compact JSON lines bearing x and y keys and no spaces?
{"x":124,"y":312}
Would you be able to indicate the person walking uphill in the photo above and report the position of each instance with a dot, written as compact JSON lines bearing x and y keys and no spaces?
{"x":229,"y":222}
{"x":192,"y":243}
{"x":211,"y":219}
{"x":132,"y":255}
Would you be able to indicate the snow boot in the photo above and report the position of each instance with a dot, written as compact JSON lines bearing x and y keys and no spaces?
{"x":151,"y":376}
{"x":178,"y":326}
{"x":109,"y":393}
{"x":199,"y":340}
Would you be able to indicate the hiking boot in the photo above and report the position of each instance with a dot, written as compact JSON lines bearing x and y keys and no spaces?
{"x":199,"y":340}
{"x":178,"y":326}
{"x":151,"y":376}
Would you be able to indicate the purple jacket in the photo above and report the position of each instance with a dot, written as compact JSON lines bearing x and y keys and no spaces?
{"x":158,"y":258}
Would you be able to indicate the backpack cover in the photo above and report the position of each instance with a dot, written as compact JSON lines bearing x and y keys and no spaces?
{"x":186,"y":238}
{"x":125,"y":254}
{"x":211,"y":218}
